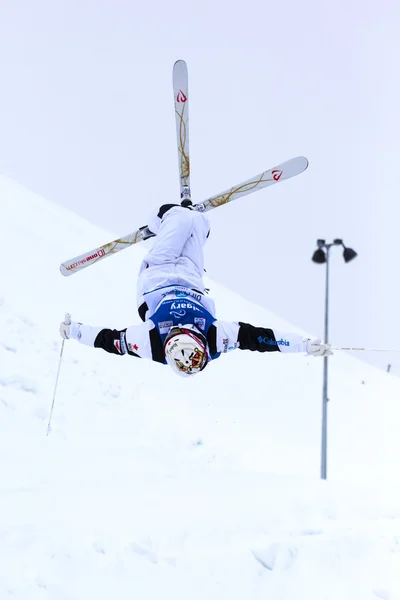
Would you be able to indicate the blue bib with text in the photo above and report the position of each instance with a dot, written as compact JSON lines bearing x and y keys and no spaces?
{"x":180,"y":310}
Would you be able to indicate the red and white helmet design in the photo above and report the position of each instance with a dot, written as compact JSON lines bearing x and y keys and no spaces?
{"x":186,"y":350}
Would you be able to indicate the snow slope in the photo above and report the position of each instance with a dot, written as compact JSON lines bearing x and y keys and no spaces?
{"x":154,"y":486}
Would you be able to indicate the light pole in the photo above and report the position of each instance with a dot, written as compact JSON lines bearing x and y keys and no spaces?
{"x":321,"y":256}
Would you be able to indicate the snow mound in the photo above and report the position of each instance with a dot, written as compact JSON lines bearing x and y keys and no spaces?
{"x":151,"y":485}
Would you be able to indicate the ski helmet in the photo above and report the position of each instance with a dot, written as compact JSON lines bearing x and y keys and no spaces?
{"x":186,"y":350}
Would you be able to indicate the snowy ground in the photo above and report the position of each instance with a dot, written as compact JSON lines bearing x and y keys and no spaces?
{"x":152,"y":486}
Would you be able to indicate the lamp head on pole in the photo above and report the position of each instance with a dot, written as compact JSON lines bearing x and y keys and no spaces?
{"x":319,"y":257}
{"x":349,"y":254}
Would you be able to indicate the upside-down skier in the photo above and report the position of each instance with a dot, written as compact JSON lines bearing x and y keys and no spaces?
{"x":179,"y":325}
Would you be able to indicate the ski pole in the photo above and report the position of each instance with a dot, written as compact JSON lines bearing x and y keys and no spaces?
{"x":67,"y":321}
{"x":366,"y":349}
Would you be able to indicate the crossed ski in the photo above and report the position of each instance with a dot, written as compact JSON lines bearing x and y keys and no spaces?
{"x":286,"y":170}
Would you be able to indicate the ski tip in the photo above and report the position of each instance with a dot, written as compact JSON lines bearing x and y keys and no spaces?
{"x":180,"y":65}
{"x":64,"y":271}
{"x":300,"y":163}
{"x":305,"y":161}
{"x":290,"y":168}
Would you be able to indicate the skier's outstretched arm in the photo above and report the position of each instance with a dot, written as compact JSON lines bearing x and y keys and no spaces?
{"x":228,"y":336}
{"x":135,"y":340}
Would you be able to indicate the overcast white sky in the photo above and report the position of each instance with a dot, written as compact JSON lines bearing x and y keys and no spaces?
{"x":87,"y":120}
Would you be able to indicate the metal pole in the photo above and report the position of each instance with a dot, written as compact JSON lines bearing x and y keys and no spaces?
{"x":55,"y":388}
{"x":324,"y":436}
{"x":67,"y":321}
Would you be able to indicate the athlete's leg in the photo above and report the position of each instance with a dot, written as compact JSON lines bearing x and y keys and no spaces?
{"x":176,"y":258}
{"x":174,"y":230}
{"x":181,"y":235}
